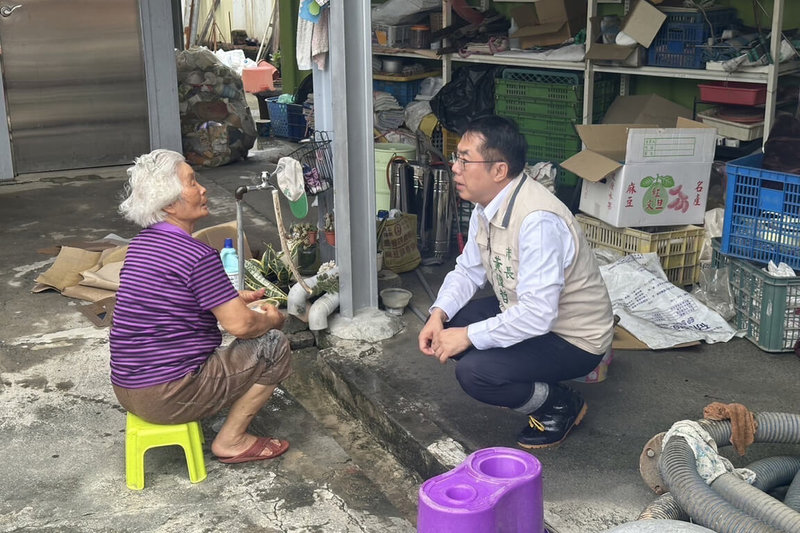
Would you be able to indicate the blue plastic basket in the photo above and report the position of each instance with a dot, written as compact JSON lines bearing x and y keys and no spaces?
{"x":403,"y":91}
{"x":286,"y":120}
{"x":677,"y":54}
{"x":681,"y":41}
{"x":720,"y":18}
{"x":762,"y":213}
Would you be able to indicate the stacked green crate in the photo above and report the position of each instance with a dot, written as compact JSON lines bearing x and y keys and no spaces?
{"x":546,"y":104}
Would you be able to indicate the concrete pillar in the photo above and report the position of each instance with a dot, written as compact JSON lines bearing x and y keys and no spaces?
{"x":353,"y":154}
{"x":161,"y":74}
{"x":6,"y":163}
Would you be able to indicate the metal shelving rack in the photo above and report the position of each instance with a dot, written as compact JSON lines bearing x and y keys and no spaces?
{"x":769,"y":77}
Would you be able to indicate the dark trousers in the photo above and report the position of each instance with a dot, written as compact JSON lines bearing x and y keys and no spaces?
{"x":506,"y":376}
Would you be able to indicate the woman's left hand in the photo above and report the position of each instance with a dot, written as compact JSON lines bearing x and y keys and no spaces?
{"x":252,"y":296}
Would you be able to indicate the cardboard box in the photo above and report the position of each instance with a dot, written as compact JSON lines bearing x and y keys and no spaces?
{"x":617,"y":56}
{"x":663,"y":178}
{"x":215,"y":237}
{"x":642,"y":24}
{"x":625,"y":340}
{"x":550,"y":22}
{"x":645,"y":109}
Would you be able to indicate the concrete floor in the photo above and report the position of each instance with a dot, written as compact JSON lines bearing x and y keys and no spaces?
{"x":63,"y":432}
{"x":63,"y":445}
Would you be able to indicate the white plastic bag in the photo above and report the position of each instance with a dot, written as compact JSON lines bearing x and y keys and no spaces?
{"x":233,"y":59}
{"x":713,"y":222}
{"x":654,"y":310}
{"x":395,"y":12}
{"x":714,"y":290}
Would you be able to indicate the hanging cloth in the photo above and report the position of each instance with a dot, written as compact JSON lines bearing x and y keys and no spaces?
{"x":305,"y":32}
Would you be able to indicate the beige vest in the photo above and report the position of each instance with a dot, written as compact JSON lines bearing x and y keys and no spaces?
{"x":584,"y":318}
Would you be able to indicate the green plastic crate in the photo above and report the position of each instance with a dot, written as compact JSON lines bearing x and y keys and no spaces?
{"x":543,"y":108}
{"x":541,"y":91}
{"x":767,"y":308}
{"x":538,"y":124}
{"x":604,"y":91}
{"x":555,"y":148}
{"x":564,"y":178}
{"x":521,"y":109}
{"x":543,"y":76}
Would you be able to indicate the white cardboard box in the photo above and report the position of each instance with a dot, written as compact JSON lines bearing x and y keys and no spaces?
{"x":662,"y":180}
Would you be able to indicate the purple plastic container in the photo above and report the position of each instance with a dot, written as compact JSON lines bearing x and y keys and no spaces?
{"x":494,"y":490}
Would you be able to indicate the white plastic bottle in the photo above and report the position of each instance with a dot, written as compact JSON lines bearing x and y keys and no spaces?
{"x":230,"y":261}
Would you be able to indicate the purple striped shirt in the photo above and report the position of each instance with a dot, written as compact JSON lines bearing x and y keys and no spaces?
{"x":162,"y":326}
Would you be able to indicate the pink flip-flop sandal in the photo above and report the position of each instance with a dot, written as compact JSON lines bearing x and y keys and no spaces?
{"x":254,"y":453}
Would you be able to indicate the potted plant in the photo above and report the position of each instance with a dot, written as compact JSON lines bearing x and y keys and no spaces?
{"x":303,"y":241}
{"x":330,"y":228}
{"x":304,"y":233}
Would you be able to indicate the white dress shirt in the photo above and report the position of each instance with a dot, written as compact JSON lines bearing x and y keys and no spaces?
{"x":546,"y":249}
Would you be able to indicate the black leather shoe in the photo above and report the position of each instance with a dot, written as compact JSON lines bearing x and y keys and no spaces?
{"x":550,"y":424}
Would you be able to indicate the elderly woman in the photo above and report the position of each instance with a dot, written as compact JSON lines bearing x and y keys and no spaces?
{"x":167,"y":365}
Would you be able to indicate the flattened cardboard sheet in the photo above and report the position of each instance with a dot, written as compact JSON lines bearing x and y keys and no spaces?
{"x":625,"y":340}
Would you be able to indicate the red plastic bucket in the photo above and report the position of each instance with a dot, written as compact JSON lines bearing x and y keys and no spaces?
{"x":260,"y":78}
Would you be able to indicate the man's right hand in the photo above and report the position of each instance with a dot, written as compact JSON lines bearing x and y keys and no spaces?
{"x":432,"y":327}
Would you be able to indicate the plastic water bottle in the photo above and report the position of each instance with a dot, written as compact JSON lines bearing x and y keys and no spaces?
{"x":230,"y":261}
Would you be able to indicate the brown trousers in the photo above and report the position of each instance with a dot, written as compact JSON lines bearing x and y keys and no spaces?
{"x":226,"y":375}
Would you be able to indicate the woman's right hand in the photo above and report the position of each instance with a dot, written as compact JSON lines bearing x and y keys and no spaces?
{"x":245,"y":322}
{"x":275,"y":315}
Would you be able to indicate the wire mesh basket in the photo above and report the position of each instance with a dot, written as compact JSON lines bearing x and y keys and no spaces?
{"x":314,"y":154}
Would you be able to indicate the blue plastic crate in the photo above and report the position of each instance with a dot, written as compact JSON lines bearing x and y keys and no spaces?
{"x":677,"y":54}
{"x":403,"y":91}
{"x":762,"y":213}
{"x":286,"y":120}
{"x":719,"y":18}
{"x":681,"y":41}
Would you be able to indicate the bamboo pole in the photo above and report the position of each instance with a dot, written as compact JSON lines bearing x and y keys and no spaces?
{"x":276,"y":202}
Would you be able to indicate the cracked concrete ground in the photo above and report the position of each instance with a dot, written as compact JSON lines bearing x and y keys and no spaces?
{"x":63,"y":466}
{"x":62,"y":445}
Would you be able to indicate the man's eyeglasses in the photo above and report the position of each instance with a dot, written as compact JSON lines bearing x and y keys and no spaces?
{"x":455,"y":159}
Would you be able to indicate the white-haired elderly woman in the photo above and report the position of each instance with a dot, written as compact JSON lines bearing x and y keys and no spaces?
{"x":167,"y":365}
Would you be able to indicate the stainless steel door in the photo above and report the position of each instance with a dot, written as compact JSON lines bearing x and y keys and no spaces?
{"x":74,"y":83}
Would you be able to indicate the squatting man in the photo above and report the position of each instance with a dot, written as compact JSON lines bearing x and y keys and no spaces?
{"x":550,"y":318}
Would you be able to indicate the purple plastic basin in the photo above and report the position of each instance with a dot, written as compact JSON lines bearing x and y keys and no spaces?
{"x":493,"y":490}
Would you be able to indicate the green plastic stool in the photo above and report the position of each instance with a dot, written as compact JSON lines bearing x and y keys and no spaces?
{"x":140,"y":436}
